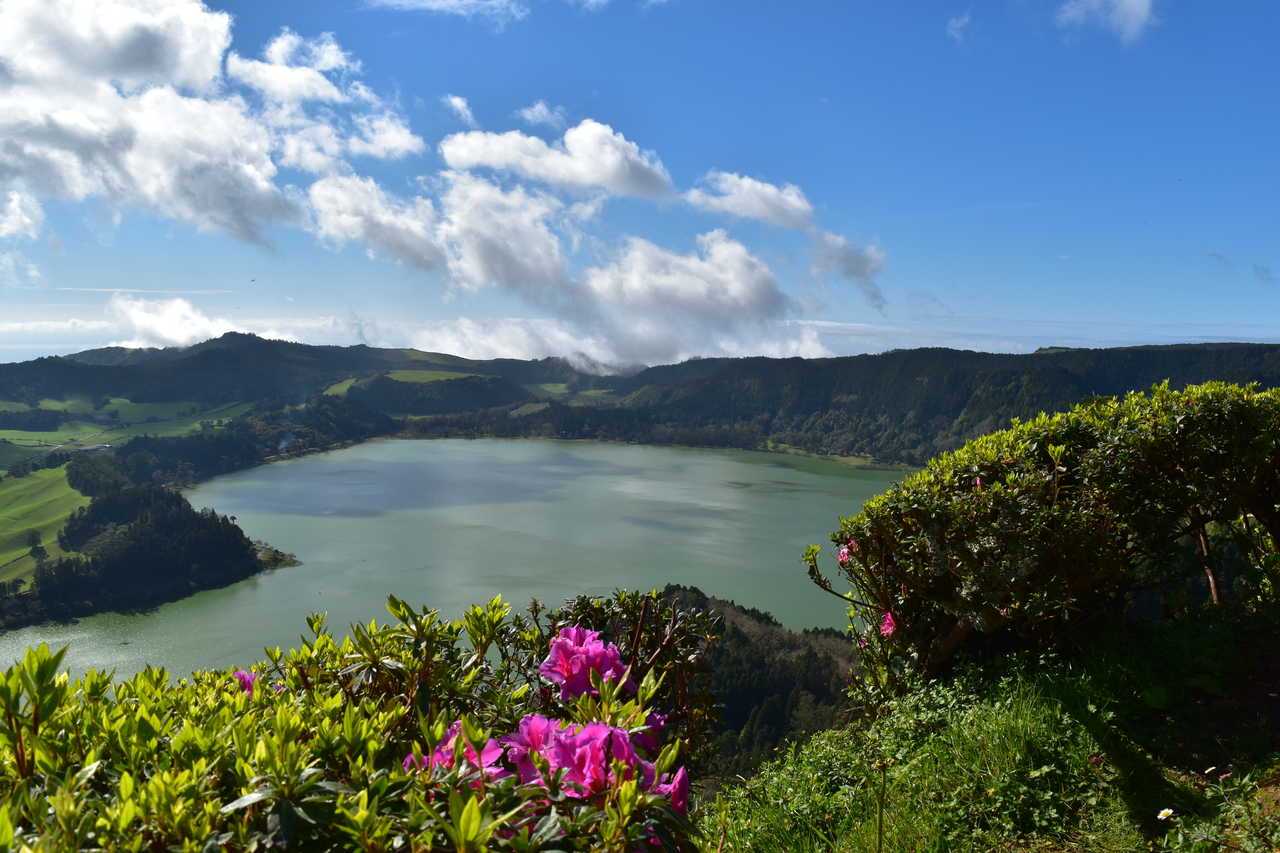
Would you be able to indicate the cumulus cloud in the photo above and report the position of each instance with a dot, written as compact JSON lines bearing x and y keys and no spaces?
{"x":458,"y":106}
{"x":163,"y":323}
{"x":1128,"y":19}
{"x":132,"y":43}
{"x":385,"y":136}
{"x":348,"y":208}
{"x":591,"y":155}
{"x":540,"y":113}
{"x":20,"y":215}
{"x":283,"y":83}
{"x":515,"y":337}
{"x":957,"y":26}
{"x":750,"y":198}
{"x":108,"y":103}
{"x":504,"y":238}
{"x":661,"y":305}
{"x":835,"y":255}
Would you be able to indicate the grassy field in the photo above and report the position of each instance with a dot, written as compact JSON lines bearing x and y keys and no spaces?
{"x":529,"y":409}
{"x":41,"y":502}
{"x":426,"y":375}
{"x":69,"y":431}
{"x":25,"y":444}
{"x":339,"y":389}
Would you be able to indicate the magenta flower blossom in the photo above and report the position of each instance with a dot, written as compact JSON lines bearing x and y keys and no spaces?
{"x":575,"y":654}
{"x":677,"y":789}
{"x":647,"y":741}
{"x":535,"y":734}
{"x":978,"y":484}
{"x":443,"y":756}
{"x":887,"y":625}
{"x":246,"y":679}
{"x":843,"y":556}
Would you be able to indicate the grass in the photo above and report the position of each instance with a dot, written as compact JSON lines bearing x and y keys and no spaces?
{"x":426,"y":375}
{"x":69,"y":431}
{"x":1045,"y":754}
{"x":40,"y":501}
{"x":555,"y":389}
{"x":529,"y":409}
{"x":339,"y":389}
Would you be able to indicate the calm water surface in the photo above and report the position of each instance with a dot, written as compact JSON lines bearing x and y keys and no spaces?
{"x":448,"y":523}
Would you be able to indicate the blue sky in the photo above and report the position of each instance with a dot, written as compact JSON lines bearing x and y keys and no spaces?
{"x":700,"y":178}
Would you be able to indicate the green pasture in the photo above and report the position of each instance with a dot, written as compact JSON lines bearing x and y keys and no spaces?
{"x":339,"y":389}
{"x":426,"y":375}
{"x":40,"y":501}
{"x":529,"y":409}
{"x":68,"y":432}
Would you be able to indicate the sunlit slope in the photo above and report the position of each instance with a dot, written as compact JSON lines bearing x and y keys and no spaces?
{"x":40,"y":501}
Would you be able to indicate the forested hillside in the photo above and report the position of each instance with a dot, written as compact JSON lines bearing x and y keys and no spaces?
{"x":900,"y":406}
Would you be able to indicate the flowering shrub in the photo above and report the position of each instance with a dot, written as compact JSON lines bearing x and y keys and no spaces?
{"x":420,"y":735}
{"x":1055,"y":524}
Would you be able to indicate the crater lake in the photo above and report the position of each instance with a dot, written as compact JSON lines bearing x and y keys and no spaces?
{"x":447,"y":523}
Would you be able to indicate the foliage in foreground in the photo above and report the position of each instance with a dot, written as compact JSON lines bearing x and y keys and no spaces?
{"x":420,"y":735}
{"x":1032,"y":536}
{"x":1134,"y":749}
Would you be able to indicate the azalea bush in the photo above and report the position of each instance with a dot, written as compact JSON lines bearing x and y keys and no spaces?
{"x":494,"y":731}
{"x":1032,"y":535}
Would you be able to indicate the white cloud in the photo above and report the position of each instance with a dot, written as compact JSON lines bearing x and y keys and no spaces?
{"x":591,"y":155}
{"x":348,"y":208}
{"x":458,"y":106}
{"x":834,"y":255}
{"x":69,"y":325}
{"x":283,"y":83}
{"x":502,"y":237}
{"x":134,"y":43}
{"x":540,"y":113}
{"x":660,"y":305}
{"x":500,"y":11}
{"x":514,"y":337}
{"x":156,"y":143}
{"x":163,"y":323}
{"x":20,"y":215}
{"x":386,"y":136}
{"x":1126,"y":18}
{"x":323,"y":53}
{"x":17,"y":272}
{"x":958,"y":26}
{"x":749,"y":198}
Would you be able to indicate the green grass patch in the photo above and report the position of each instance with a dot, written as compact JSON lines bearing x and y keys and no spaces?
{"x":339,"y":389}
{"x":426,"y":375}
{"x":13,"y":406}
{"x":530,"y":409}
{"x":555,"y":389}
{"x":69,"y":431}
{"x":40,"y":501}
{"x":1040,"y":754}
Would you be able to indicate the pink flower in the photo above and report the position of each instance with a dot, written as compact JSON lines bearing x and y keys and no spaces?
{"x":978,"y":484}
{"x":843,"y":556}
{"x":443,"y":756}
{"x":852,"y":546}
{"x":535,"y":734}
{"x":677,"y":789}
{"x":1095,"y":759}
{"x":887,"y":625}
{"x":246,"y":680}
{"x":647,"y":741}
{"x":575,"y":654}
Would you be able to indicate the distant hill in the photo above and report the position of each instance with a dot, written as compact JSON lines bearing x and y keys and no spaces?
{"x":900,"y":406}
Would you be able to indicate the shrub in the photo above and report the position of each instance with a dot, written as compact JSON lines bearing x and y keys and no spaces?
{"x":1050,"y":527}
{"x":424,"y":734}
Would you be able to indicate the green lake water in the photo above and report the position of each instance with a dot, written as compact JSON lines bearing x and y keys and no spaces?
{"x":448,"y":523}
